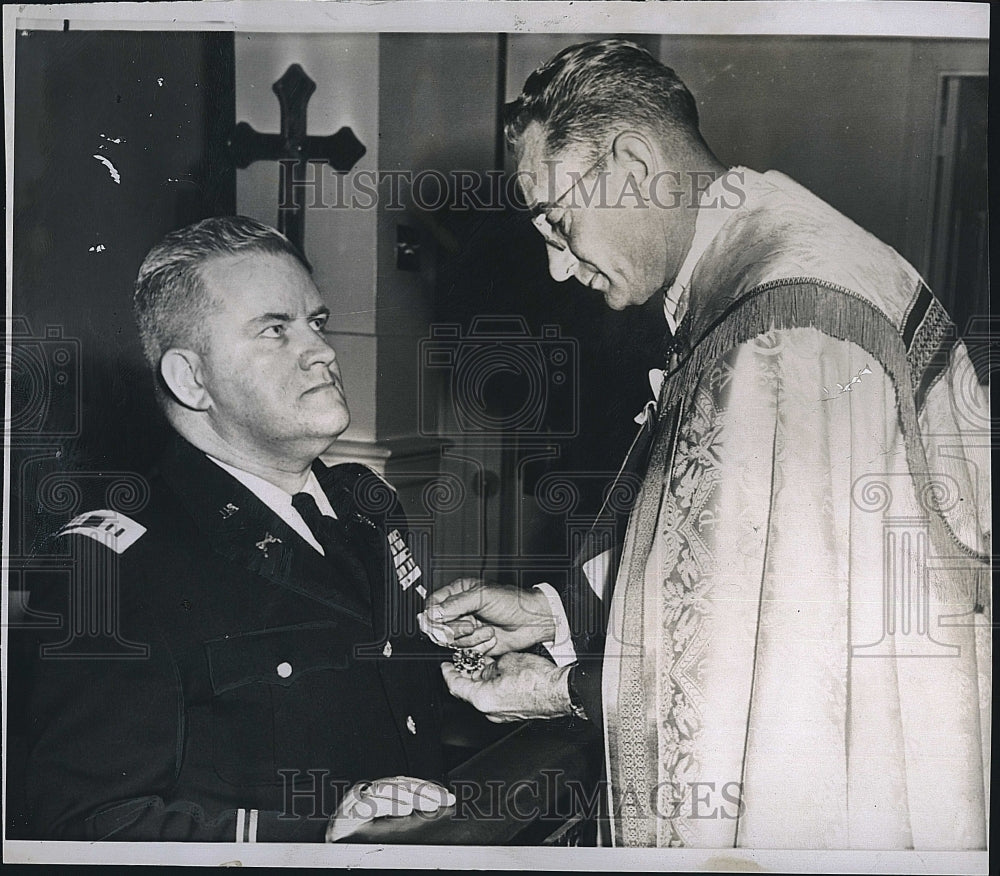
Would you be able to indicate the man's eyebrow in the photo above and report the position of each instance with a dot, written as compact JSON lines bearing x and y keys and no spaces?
{"x":271,"y":317}
{"x":287,"y":317}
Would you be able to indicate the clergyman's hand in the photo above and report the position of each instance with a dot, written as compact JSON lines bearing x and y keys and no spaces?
{"x":516,"y":687}
{"x":492,"y":618}
{"x":385,"y":798}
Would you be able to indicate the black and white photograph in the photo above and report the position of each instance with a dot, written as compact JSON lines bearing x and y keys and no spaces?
{"x":523,"y":435}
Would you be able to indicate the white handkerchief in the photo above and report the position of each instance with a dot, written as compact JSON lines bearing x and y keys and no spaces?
{"x":646,"y":413}
{"x":596,"y":569}
{"x":437,"y":632}
{"x":656,"y":381}
{"x":655,"y":384}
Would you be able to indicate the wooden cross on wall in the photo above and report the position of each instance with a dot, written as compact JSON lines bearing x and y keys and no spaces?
{"x":293,"y":148}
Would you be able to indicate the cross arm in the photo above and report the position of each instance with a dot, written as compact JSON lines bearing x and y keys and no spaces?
{"x":341,"y":150}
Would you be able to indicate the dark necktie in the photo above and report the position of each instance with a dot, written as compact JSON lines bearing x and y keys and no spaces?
{"x":333,"y":538}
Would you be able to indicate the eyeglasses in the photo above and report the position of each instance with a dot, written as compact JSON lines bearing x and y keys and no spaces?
{"x":552,"y":232}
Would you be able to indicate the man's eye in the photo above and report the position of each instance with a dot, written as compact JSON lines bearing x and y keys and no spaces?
{"x":550,"y":233}
{"x":273,"y":331}
{"x":318,"y":324}
{"x":557,"y":222}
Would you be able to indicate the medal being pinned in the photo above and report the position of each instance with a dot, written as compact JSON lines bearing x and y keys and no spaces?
{"x":468,"y":661}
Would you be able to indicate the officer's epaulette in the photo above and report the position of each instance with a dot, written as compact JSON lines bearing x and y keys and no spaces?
{"x":112,"y":528}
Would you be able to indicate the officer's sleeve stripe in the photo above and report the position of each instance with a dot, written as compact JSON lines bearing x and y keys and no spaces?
{"x":241,"y":817}
{"x":252,"y":837}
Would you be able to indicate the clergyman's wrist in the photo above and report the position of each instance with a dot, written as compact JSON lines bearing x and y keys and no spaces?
{"x":575,"y":700}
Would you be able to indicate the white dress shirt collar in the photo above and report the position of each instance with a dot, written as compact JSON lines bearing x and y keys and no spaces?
{"x":280,"y":502}
{"x":708,"y":224}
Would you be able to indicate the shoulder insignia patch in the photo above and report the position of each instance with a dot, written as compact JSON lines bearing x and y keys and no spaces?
{"x":111,"y":528}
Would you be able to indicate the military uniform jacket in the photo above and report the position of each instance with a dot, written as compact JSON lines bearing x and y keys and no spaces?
{"x":214,"y":677}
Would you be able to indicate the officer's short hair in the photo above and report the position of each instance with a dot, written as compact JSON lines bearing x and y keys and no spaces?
{"x":170,"y":300}
{"x":588,"y":90}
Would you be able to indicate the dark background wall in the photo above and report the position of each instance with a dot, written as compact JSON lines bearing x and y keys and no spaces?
{"x":158,"y":108}
{"x":854,"y":119}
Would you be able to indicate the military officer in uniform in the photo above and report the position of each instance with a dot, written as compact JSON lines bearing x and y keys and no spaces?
{"x":258,"y":677}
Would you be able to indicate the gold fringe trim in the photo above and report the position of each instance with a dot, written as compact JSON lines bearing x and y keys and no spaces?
{"x":841,"y":314}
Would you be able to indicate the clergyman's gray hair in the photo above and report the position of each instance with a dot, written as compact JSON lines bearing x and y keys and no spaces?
{"x":170,"y":300}
{"x":588,"y":90}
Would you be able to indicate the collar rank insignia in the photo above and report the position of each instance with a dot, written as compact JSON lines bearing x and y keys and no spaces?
{"x":111,"y":528}
{"x":362,"y":518}
{"x":406,"y":568}
{"x":268,"y":539}
{"x":228,"y":510}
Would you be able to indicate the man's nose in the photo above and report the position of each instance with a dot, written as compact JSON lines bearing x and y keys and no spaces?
{"x":562,"y":263}
{"x":315,"y":349}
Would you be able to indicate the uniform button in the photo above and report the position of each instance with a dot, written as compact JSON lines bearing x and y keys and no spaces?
{"x":284,"y":669}
{"x":411,"y":725}
{"x":387,"y":650}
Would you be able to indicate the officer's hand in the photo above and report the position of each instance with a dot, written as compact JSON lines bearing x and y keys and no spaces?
{"x":385,"y":798}
{"x":514,"y":688}
{"x":493,"y":619}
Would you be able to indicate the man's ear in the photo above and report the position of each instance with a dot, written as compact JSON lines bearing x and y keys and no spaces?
{"x":183,"y":374}
{"x":634,"y":152}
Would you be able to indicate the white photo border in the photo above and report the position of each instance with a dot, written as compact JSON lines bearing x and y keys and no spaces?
{"x":794,"y":17}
